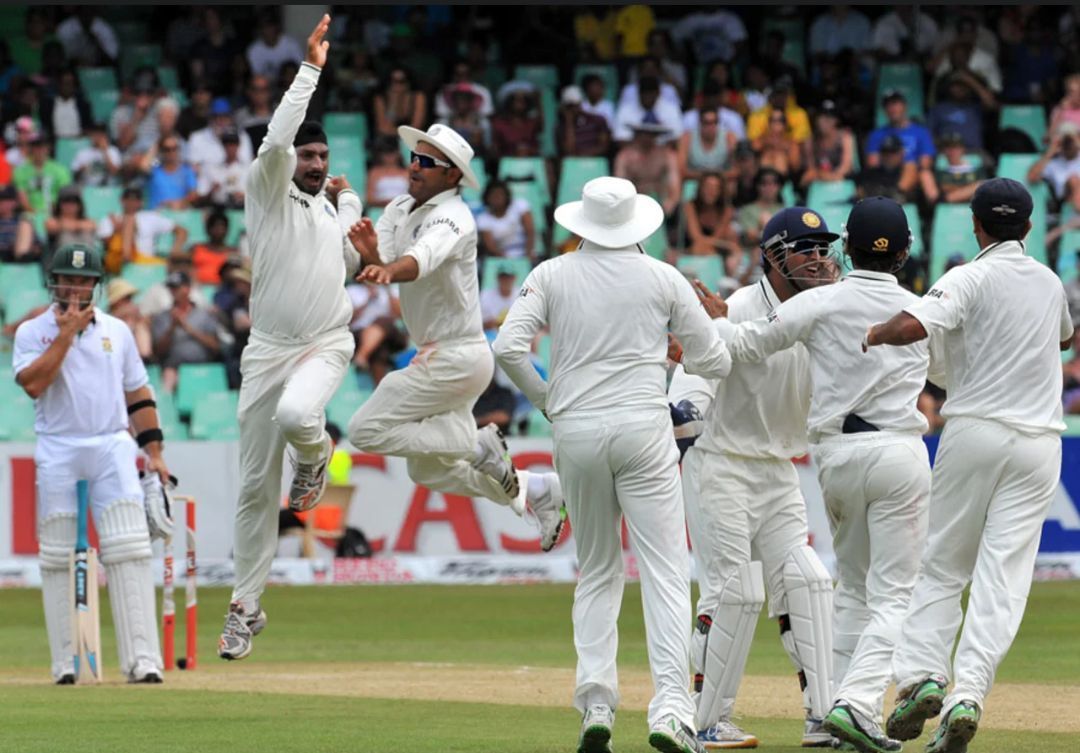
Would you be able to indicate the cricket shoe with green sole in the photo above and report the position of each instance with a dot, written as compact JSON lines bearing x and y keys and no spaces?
{"x":956,"y":729}
{"x":914,"y":705}
{"x":669,"y":735}
{"x":596,"y":729}
{"x":848,"y":725}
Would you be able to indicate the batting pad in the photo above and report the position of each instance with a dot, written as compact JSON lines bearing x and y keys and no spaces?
{"x":56,"y":542}
{"x":721,"y":643}
{"x":809,"y":589}
{"x":125,"y":552}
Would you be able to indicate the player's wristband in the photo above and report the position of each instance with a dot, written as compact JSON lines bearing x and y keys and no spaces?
{"x":150,"y":435}
{"x":140,"y":405}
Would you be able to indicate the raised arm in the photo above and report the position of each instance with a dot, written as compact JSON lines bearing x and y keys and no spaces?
{"x":273,"y":169}
{"x":527,"y":316}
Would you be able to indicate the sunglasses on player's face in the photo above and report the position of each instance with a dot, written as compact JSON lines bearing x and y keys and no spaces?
{"x":427,"y":161}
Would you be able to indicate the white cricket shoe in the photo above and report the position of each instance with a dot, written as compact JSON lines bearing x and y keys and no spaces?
{"x":815,"y":735}
{"x":596,"y":727}
{"x":669,"y":735}
{"x":240,"y":628}
{"x":145,"y":672}
{"x":726,"y":734}
{"x":494,"y":460}
{"x":309,"y":481}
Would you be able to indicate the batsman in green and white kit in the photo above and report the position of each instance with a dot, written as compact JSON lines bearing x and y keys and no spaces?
{"x":1004,"y":317}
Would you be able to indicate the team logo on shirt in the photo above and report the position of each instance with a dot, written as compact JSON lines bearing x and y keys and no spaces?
{"x":106,"y":345}
{"x":444,"y":221}
{"x":811,"y":220}
{"x":881,"y":244}
{"x":936,"y":293}
{"x":524,"y":292}
{"x":299,"y":200}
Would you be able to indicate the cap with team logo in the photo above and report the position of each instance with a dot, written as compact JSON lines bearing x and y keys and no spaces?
{"x":877,"y":225}
{"x":793,"y":224}
{"x":77,"y":259}
{"x":1002,"y":201}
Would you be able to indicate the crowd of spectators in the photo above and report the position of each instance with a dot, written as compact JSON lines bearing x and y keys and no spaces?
{"x":723,"y":115}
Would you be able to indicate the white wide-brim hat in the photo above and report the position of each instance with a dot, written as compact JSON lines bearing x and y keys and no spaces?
{"x":449,"y":142}
{"x":611,"y":213}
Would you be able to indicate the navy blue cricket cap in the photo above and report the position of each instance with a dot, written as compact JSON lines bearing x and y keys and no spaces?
{"x":1002,"y":201}
{"x":795,"y":223}
{"x":878,"y":225}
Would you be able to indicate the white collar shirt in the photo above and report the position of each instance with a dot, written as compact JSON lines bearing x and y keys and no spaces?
{"x":609,"y":312}
{"x":443,"y":303}
{"x":1003,"y":317}
{"x":87,"y":397}
{"x":299,"y":252}
{"x":759,"y":410}
{"x":881,"y":387}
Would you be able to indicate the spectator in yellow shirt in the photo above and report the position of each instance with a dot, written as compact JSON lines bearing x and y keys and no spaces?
{"x":780,"y":97}
{"x":633,"y":25}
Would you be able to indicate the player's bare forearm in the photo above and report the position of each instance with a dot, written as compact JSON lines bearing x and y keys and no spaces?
{"x":902,"y":329}
{"x":37,"y":377}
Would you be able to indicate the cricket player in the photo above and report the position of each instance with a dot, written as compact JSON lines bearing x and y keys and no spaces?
{"x":300,"y":344}
{"x":744,"y":506}
{"x":609,"y":307}
{"x":865,"y":431}
{"x":426,"y":240}
{"x":83,"y":370}
{"x":1004,"y":318}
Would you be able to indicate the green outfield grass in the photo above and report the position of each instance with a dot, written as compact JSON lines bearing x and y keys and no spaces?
{"x":500,"y":626}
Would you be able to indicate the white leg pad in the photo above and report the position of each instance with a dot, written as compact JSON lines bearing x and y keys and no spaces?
{"x":125,"y":552}
{"x":56,"y":542}
{"x":808,"y":637}
{"x":721,"y":643}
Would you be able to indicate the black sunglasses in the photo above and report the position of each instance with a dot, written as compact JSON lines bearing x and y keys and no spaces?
{"x":427,"y":161}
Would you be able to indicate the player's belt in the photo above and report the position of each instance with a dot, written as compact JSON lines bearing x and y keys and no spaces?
{"x":855,"y":425}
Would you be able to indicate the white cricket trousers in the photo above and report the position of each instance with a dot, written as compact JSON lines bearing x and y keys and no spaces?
{"x":876,"y":487}
{"x":424,"y":414}
{"x":993,"y":486}
{"x":742,"y":509}
{"x":614,"y":466}
{"x":284,"y":390}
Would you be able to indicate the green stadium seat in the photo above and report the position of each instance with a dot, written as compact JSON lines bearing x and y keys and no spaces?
{"x":474,"y":197}
{"x":1031,"y":119}
{"x":656,"y":244}
{"x":525,"y":169}
{"x":951,"y":234}
{"x":915,"y":225}
{"x":346,"y":124}
{"x":539,"y":426}
{"x":708,"y":269}
{"x":794,"y":32}
{"x":1072,"y":426}
{"x":549,"y":107}
{"x":543,"y":351}
{"x":835,"y":215}
{"x":179,"y":95}
{"x":197,"y":379}
{"x":541,"y":76}
{"x":787,"y":194}
{"x":131,"y":31}
{"x":102,"y":103}
{"x":608,"y":73}
{"x":19,"y":276}
{"x":13,"y":20}
{"x":493,"y":264}
{"x":17,"y":418}
{"x":214,"y":416}
{"x":1016,"y":166}
{"x":905,"y":77}
{"x":191,"y":220}
{"x":345,"y":401}
{"x":1068,"y":255}
{"x":101,"y":201}
{"x":17,"y":303}
{"x":575,"y":172}
{"x":144,"y":276}
{"x":66,"y":149}
{"x":97,"y":79}
{"x":153,"y":374}
{"x":349,"y":158}
{"x":236,"y":226}
{"x":530,"y":192}
{"x":830,"y":192}
{"x":171,"y":424}
{"x":169,"y":79}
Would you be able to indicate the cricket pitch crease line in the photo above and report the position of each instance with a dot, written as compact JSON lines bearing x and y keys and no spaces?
{"x":1012,"y":706}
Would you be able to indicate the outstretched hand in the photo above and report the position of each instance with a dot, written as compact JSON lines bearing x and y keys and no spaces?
{"x":375,"y":274}
{"x":715,"y":306}
{"x":363,"y":237}
{"x":317,"y":47}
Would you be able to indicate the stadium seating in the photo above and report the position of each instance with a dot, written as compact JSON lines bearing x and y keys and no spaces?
{"x":135,"y":56}
{"x":1031,"y":119}
{"x":169,"y":79}
{"x":526,"y":169}
{"x":549,"y":107}
{"x":1068,"y":255}
{"x":530,"y":192}
{"x":539,"y":426}
{"x":101,"y":201}
{"x":823,"y":192}
{"x":915,"y":225}
{"x":708,"y":269}
{"x":348,"y":157}
{"x":474,"y":197}
{"x":1016,"y":166}
{"x":346,"y":124}
{"x":236,"y":226}
{"x":171,"y":425}
{"x":102,"y":103}
{"x":951,"y":235}
{"x":973,"y":158}
{"x":97,"y":79}
{"x":17,"y":303}
{"x":574,"y":173}
{"x":214,"y":416}
{"x":17,"y":418}
{"x":374,"y":213}
{"x":541,"y":76}
{"x":656,"y":244}
{"x":197,"y":379}
{"x":191,"y":220}
{"x":904,"y":77}
{"x":493,"y":264}
{"x":66,"y":149}
{"x":346,"y":400}
{"x":143,"y":276}
{"x":543,"y":351}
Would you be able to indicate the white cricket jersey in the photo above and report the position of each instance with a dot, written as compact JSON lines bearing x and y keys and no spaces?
{"x":443,"y":302}
{"x":1003,"y":317}
{"x":760,"y":408}
{"x":87,"y":398}
{"x":881,"y":386}
{"x":300,"y":253}
{"x":609,"y":311}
